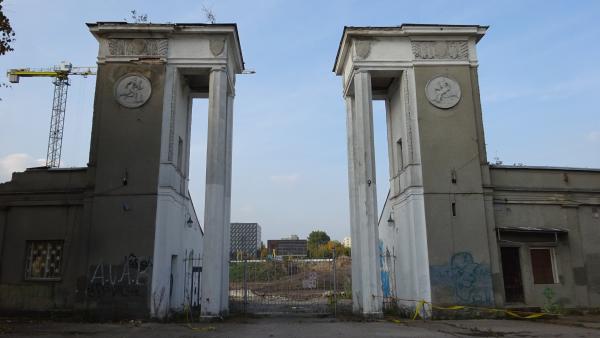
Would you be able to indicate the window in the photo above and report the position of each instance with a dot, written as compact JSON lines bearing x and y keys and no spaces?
{"x":180,"y":154}
{"x":43,"y":260}
{"x":543,"y":266}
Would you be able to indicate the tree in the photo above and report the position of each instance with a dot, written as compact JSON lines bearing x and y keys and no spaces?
{"x":7,"y":34}
{"x":264,"y":252}
{"x":317,"y":241}
{"x":318,"y":237}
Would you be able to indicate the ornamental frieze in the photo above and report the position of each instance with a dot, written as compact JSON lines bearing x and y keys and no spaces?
{"x":137,"y":47}
{"x":443,"y":50}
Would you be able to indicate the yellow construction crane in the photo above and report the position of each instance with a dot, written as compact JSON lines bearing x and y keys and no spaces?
{"x":60,"y":75}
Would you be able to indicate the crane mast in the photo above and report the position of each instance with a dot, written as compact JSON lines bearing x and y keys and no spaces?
{"x":60,"y":75}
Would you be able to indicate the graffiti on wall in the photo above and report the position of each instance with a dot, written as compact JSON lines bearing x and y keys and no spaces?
{"x":130,"y":277}
{"x":385,"y":271}
{"x":470,"y":282}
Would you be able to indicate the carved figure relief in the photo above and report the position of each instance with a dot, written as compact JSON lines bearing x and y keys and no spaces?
{"x":138,"y":47}
{"x":445,"y":50}
{"x":443,"y":92}
{"x":132,"y":90}
{"x":217,"y":45}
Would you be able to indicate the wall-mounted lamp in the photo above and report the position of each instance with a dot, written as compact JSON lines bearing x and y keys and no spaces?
{"x":189,"y":221}
{"x":125,"y":177}
{"x":390,"y":219}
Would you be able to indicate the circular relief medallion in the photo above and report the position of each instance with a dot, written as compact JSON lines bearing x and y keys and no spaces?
{"x":132,"y":90}
{"x":443,"y":92}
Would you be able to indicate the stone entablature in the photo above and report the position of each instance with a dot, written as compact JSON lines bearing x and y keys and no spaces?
{"x":384,"y":48}
{"x":171,"y":43}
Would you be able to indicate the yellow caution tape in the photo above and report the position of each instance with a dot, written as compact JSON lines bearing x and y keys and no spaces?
{"x":420,"y":306}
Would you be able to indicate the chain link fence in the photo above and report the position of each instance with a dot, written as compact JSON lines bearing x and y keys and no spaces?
{"x":290,"y":285}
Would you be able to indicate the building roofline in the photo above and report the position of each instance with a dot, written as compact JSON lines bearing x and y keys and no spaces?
{"x":166,"y":28}
{"x":406,"y":29}
{"x":549,"y":168}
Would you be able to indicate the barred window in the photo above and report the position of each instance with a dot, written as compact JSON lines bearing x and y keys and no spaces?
{"x":43,"y":260}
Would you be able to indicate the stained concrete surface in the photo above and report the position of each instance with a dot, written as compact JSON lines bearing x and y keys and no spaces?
{"x":302,"y":327}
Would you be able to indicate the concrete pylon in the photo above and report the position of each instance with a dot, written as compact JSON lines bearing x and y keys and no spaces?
{"x":366,"y":280}
{"x":215,"y":274}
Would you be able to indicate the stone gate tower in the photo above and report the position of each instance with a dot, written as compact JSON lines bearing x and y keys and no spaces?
{"x":427,"y":75}
{"x":148,"y":75}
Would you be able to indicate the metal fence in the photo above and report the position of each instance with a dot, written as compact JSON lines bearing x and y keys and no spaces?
{"x":192,"y":290}
{"x":290,"y":285}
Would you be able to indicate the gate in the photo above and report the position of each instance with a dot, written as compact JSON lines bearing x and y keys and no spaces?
{"x":193,"y":274}
{"x":290,"y":285}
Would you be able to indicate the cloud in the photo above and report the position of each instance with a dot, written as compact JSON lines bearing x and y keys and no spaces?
{"x":17,"y":162}
{"x":593,"y":136}
{"x":285,"y":179}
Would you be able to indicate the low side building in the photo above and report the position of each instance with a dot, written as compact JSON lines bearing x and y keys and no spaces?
{"x":287,"y":247}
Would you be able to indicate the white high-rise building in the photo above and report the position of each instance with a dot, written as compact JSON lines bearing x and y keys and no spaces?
{"x":347,"y":242}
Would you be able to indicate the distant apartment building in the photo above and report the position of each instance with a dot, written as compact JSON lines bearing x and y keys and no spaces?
{"x":287,"y":247}
{"x":245,"y":240}
{"x":347,"y":242}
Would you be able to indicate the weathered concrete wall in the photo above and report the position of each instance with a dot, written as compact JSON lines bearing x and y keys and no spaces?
{"x":41,"y":204}
{"x":561,"y":198}
{"x":404,"y":237}
{"x":124,"y":163}
{"x":454,"y":209}
{"x":178,"y":232}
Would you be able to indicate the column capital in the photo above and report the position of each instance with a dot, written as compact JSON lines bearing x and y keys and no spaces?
{"x":360,"y":70}
{"x":218,"y":69}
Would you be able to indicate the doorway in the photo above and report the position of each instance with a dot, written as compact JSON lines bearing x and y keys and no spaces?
{"x":511,"y":271}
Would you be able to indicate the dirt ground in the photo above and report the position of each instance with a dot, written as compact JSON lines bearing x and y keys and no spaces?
{"x":290,"y":327}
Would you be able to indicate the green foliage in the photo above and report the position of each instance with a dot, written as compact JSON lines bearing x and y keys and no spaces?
{"x":264,"y":252}
{"x":258,"y":271}
{"x":318,"y":237}
{"x":550,"y":305}
{"x":316,"y":240}
{"x":7,"y":34}
{"x":321,"y":246}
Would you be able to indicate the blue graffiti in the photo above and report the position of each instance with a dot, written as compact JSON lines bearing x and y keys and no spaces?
{"x":385,"y":275}
{"x":470,"y":282}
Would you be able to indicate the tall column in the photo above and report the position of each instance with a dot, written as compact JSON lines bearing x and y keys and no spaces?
{"x":352,"y":191}
{"x":215,"y":202}
{"x":366,"y":194}
{"x":227,"y":215}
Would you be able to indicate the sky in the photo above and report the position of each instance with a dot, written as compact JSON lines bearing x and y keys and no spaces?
{"x":538,"y":78}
